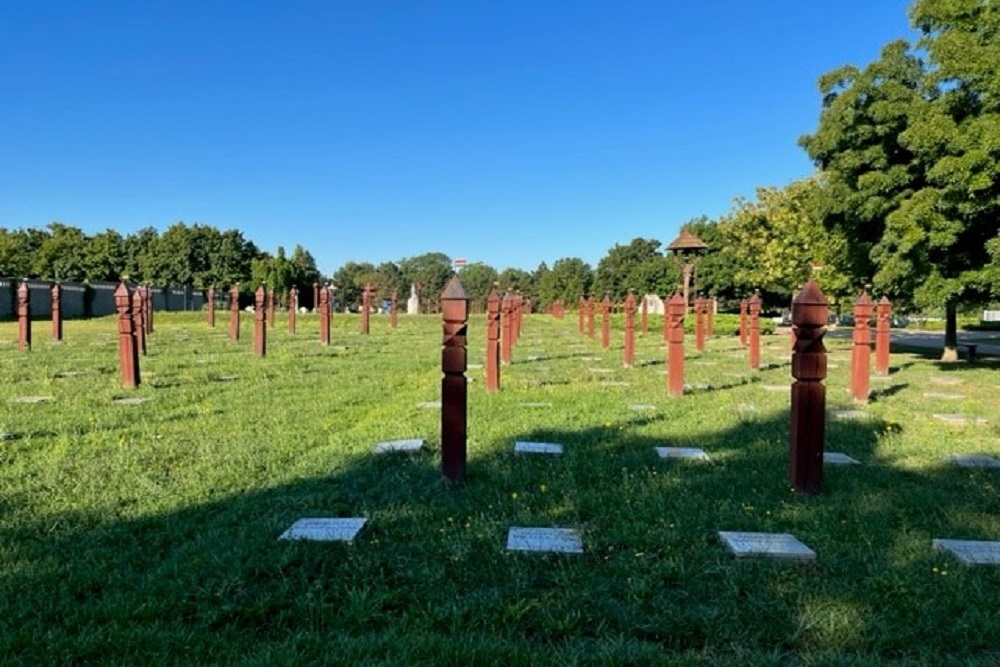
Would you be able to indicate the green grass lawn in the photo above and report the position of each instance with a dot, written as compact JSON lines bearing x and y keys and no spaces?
{"x":147,"y":534}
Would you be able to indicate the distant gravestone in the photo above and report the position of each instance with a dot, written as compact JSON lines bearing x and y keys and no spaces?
{"x":654,"y":304}
{"x":839,"y":459}
{"x":429,"y":405}
{"x":413,"y":303}
{"x":522,"y":447}
{"x":975,"y":461}
{"x":408,"y":446}
{"x":781,"y":546}
{"x":555,"y":540}
{"x":958,"y":418}
{"x":971,"y":552}
{"x":324,"y":530}
{"x":848,"y":414}
{"x":33,"y":399}
{"x":641,"y":407}
{"x":689,"y":453}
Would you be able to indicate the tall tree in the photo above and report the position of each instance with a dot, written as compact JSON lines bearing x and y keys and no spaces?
{"x":639,"y":266}
{"x":61,"y":255}
{"x":478,"y":279}
{"x":429,"y":272}
{"x":567,"y":280}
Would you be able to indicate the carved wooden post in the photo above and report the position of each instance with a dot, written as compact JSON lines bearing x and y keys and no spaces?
{"x":139,"y":320}
{"x":743,"y":323}
{"x":293,"y":307}
{"x":882,"y":336}
{"x":808,"y":412}
{"x":645,"y":316}
{"x":234,"y":313}
{"x":606,"y":322}
{"x":57,"y":325}
{"x":629,"y":331}
{"x":270,"y":307}
{"x":519,"y":317}
{"x":366,"y":307}
{"x":315,"y":297}
{"x":260,"y":321}
{"x":323,"y":299}
{"x":507,"y":322}
{"x":699,"y":324}
{"x":754,"y":307}
{"x":582,"y":314}
{"x":454,"y":387}
{"x":590,"y":316}
{"x":211,"y":307}
{"x":493,"y":342}
{"x":147,"y":311}
{"x":128,"y":353}
{"x":392,"y":310}
{"x":861,"y":352}
{"x":676,"y":308}
{"x":23,"y":317}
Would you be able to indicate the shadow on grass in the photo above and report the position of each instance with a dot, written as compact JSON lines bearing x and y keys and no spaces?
{"x":429,"y":580}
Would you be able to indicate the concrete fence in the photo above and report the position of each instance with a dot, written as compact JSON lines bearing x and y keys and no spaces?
{"x":91,"y":299}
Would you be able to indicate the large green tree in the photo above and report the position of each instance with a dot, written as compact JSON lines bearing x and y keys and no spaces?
{"x":567,"y":280}
{"x":910,"y":148}
{"x":639,"y":266}
{"x":478,"y":279}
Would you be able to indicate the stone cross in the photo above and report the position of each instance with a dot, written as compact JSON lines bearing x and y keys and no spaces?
{"x":676,"y":308}
{"x":808,"y":411}
{"x":861,"y":350}
{"x":128,"y":353}
{"x":454,"y":386}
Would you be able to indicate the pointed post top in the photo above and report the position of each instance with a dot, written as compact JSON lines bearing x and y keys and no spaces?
{"x":863,"y":299}
{"x":454,"y":289}
{"x":493,"y":296}
{"x":810,"y":307}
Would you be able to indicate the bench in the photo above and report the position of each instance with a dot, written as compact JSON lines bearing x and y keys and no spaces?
{"x":971,"y":347}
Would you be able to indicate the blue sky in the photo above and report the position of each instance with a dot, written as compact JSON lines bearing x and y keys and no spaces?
{"x":510,"y":132}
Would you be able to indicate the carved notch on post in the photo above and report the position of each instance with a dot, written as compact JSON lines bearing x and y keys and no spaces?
{"x":454,"y":388}
{"x":808,"y":411}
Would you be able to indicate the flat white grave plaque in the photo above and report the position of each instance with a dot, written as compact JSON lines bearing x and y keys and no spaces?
{"x":766,"y":545}
{"x":706,"y":363}
{"x":839,"y":459}
{"x":949,"y":382}
{"x":324,"y":530}
{"x":429,"y":405}
{"x":943,"y":395}
{"x":971,"y":552}
{"x":536,"y":357}
{"x":33,"y":399}
{"x":611,"y":383}
{"x":132,"y":400}
{"x":641,"y":407}
{"x":590,"y":358}
{"x":959,"y":418}
{"x":524,"y":447}
{"x":775,"y":387}
{"x":975,"y":461}
{"x":600,"y":370}
{"x":558,"y":540}
{"x":693,"y":453}
{"x":474,"y":367}
{"x":536,"y":405}
{"x":412,"y":445}
{"x":849,"y":414}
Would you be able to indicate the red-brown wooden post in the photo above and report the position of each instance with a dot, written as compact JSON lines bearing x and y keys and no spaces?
{"x":882,"y":336}
{"x":211,"y":307}
{"x":507,"y":322}
{"x":629,"y":359}
{"x":754,"y":306}
{"x":582,"y":314}
{"x":23,"y":317}
{"x":57,"y":325}
{"x":710,"y":306}
{"x":139,"y":320}
{"x":493,"y":341}
{"x":590,"y":316}
{"x":861,"y":352}
{"x":515,"y":326}
{"x":323,"y":308}
{"x":315,"y":297}
{"x":293,"y":308}
{"x":808,"y":411}
{"x":743,"y":323}
{"x":146,"y":293}
{"x":270,"y":308}
{"x":128,"y":353}
{"x":260,"y":321}
{"x":234,"y":313}
{"x":454,"y":386}
{"x":699,"y":324}
{"x":392,"y":310}
{"x":366,"y":308}
{"x":644,"y":317}
{"x":674,"y":314}
{"x":606,"y":322}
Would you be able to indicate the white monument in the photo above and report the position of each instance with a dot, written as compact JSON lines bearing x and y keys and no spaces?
{"x":413,"y":303}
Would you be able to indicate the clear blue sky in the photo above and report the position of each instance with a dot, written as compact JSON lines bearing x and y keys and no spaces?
{"x":510,"y":131}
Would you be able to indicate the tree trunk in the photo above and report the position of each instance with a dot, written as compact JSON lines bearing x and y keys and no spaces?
{"x":950,"y":352}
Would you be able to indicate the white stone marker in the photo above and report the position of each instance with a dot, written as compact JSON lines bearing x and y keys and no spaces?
{"x":411,"y":445}
{"x":32,"y":399}
{"x":590,"y":358}
{"x":974,"y":461}
{"x":848,"y":414}
{"x":958,"y":418}
{"x":132,"y":400}
{"x":766,"y":545}
{"x":429,"y":405}
{"x":971,"y":552}
{"x":324,"y":530}
{"x":950,"y":382}
{"x":776,"y":387}
{"x":536,"y":357}
{"x":611,"y":383}
{"x":693,"y":453}
{"x":600,"y":370}
{"x":942,"y":395}
{"x":641,"y":407}
{"x":536,"y":405}
{"x":523,"y":447}
{"x":474,"y":367}
{"x":839,"y":459}
{"x":559,"y":540}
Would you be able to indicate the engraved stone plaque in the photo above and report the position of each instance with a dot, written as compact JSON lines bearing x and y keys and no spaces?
{"x":131,"y":400}
{"x":522,"y":447}
{"x":691,"y":453}
{"x":412,"y":445}
{"x":556,"y":540}
{"x":975,"y":461}
{"x":848,"y":414}
{"x":766,"y":545}
{"x":839,"y":459}
{"x":971,"y":552}
{"x":324,"y":530}
{"x":959,"y":419}
{"x":429,"y":405}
